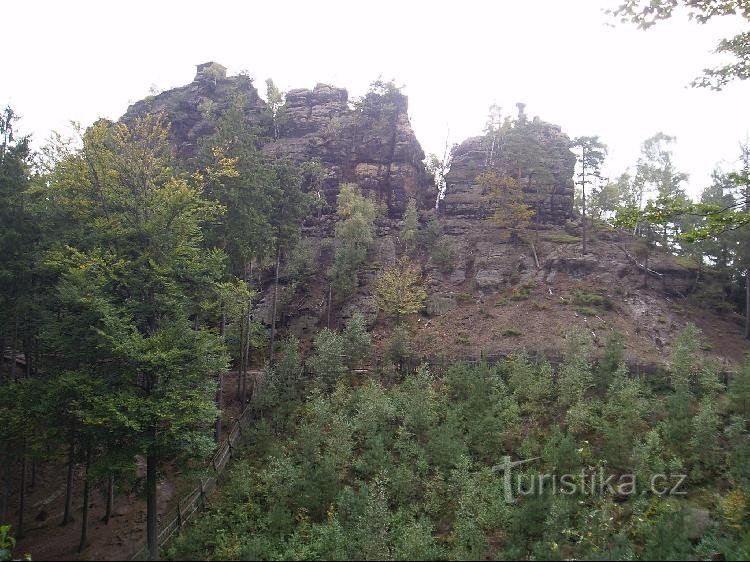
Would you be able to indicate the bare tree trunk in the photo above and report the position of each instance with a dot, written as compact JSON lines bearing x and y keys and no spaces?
{"x":247,"y":353}
{"x":152,"y":538}
{"x":241,"y":366}
{"x":13,"y":349}
{"x":219,"y":405}
{"x":7,"y":466}
{"x":22,"y":493}
{"x":330,"y":294}
{"x":273,"y":313}
{"x":85,"y":506}
{"x":69,"y":483}
{"x":110,"y":498}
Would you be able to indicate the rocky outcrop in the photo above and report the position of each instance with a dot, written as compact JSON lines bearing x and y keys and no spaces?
{"x":552,"y":197}
{"x":369,"y":142}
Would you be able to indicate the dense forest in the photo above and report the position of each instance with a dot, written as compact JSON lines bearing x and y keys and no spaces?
{"x":153,"y":289}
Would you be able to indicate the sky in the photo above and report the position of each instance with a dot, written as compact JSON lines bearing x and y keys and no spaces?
{"x":78,"y":60}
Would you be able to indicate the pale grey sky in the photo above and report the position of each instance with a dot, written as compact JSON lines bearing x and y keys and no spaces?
{"x":77,"y":60}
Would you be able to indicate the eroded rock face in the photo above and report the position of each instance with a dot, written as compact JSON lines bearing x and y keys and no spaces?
{"x":465,"y":197}
{"x":370,"y":142}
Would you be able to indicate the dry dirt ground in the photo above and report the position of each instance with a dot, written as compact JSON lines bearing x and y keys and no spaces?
{"x":125,"y":534}
{"x":535,"y":313}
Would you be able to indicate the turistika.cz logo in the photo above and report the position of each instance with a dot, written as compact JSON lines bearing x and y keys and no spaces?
{"x":585,"y":483}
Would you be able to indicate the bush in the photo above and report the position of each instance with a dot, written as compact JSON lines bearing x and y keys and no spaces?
{"x":443,"y":256}
{"x":356,"y":340}
{"x":586,"y":299}
{"x":328,"y":361}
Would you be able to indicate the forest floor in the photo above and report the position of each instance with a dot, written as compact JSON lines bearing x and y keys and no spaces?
{"x":125,"y":534}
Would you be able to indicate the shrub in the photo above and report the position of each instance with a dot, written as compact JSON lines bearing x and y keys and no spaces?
{"x":443,"y":255}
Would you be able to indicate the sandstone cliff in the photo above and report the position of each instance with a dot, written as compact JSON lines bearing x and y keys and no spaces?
{"x":370,"y":141}
{"x":553,"y":197}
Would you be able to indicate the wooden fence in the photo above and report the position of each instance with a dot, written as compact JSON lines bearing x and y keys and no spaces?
{"x":195,"y":500}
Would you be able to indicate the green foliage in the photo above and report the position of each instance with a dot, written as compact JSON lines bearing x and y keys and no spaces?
{"x":356,"y":340}
{"x":645,"y":14}
{"x":398,"y":347}
{"x":443,"y":255}
{"x":739,"y":391}
{"x":355,"y":230}
{"x":400,"y":290}
{"x":410,"y":229}
{"x":329,"y":359}
{"x":587,"y":299}
{"x":404,"y":470}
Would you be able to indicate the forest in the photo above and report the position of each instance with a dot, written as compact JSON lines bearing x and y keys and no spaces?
{"x":158,"y":288}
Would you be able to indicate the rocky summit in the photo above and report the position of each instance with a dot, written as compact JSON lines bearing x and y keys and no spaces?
{"x":369,"y":141}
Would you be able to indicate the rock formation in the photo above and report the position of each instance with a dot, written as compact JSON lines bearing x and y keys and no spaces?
{"x":369,"y":142}
{"x":554,"y":200}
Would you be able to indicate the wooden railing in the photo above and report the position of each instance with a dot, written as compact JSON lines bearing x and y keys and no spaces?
{"x":195,"y":500}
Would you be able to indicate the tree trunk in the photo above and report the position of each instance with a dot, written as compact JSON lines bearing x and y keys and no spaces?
{"x":330,"y":294}
{"x":22,"y":493}
{"x":583,"y":196}
{"x":110,"y":498}
{"x":33,"y":473}
{"x":5,"y":495}
{"x":152,"y":538}
{"x":241,"y":366}
{"x":219,"y":405}
{"x":13,"y":347}
{"x":85,"y":506}
{"x":69,"y":484}
{"x":247,"y":352}
{"x":273,"y":307}
{"x":747,"y":303}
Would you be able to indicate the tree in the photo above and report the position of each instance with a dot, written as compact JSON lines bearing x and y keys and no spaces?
{"x":410,"y":229}
{"x":17,"y":239}
{"x":511,"y":209}
{"x":725,"y":217}
{"x":399,"y":290}
{"x":290,"y":204}
{"x":275,"y":108}
{"x":646,"y":13}
{"x":656,"y":175}
{"x":355,"y":233}
{"x":132,"y":278}
{"x":590,"y":153}
{"x":328,"y":361}
{"x":356,"y":340}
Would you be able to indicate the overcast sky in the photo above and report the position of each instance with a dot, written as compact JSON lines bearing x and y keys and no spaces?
{"x":77,"y":60}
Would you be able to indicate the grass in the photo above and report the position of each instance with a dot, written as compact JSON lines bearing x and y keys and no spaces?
{"x":585,"y":311}
{"x":511,"y":333}
{"x":522,"y":293}
{"x":538,"y":305}
{"x":561,"y":238}
{"x":586,"y":299}
{"x":502,"y":301}
{"x":464,"y":298}
{"x":463,"y":339}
